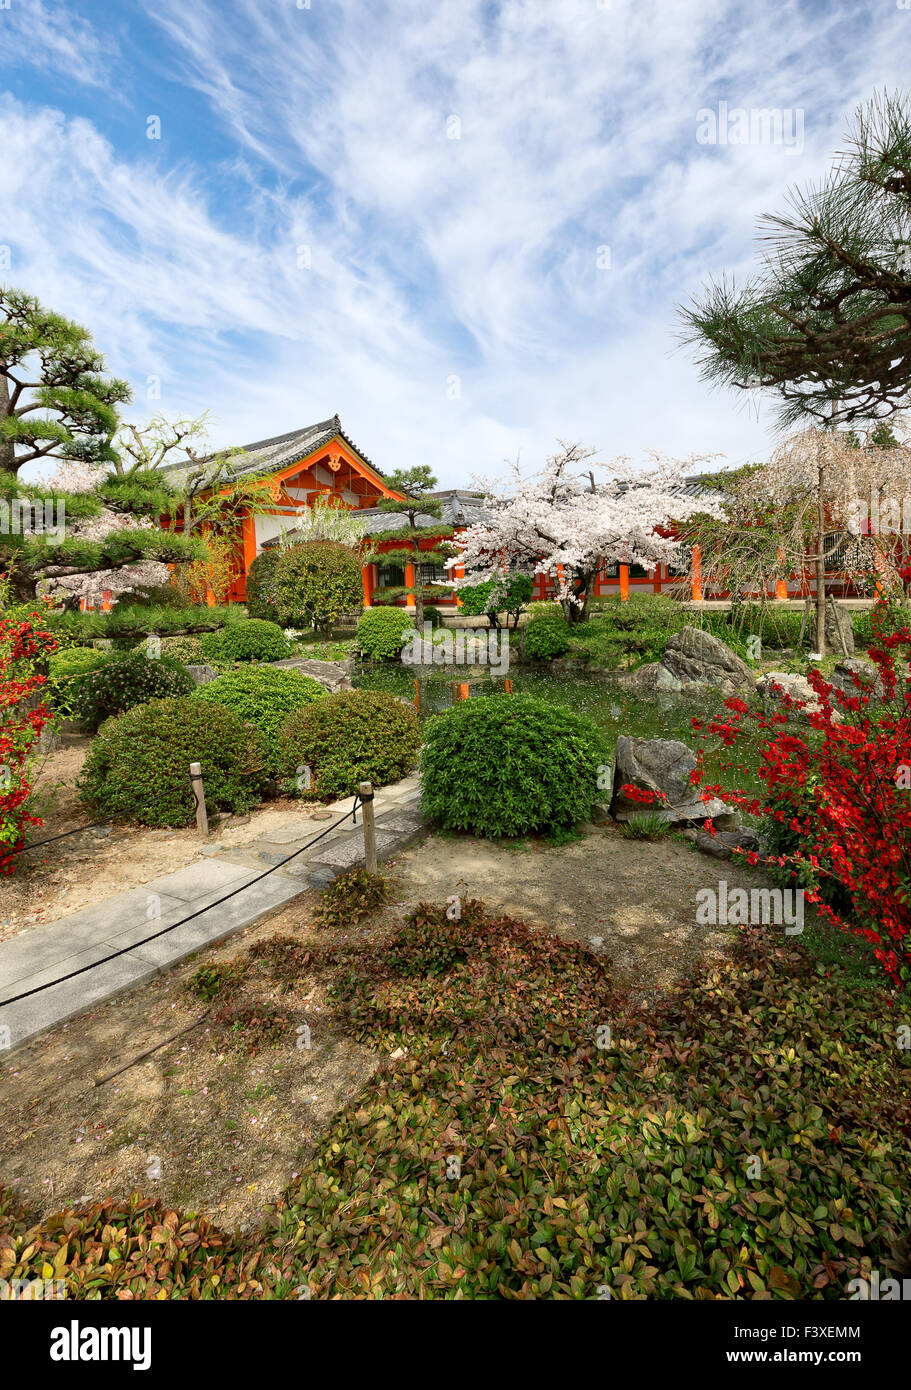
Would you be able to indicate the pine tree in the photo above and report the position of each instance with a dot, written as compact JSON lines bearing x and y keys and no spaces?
{"x":56,"y":402}
{"x":826,"y":323}
{"x":416,"y":484}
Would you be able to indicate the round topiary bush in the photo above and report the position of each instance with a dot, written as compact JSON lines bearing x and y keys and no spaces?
{"x":316,"y":583}
{"x":139,"y":765}
{"x":125,"y":681}
{"x":508,"y":765}
{"x":260,"y":594}
{"x":265,"y":696}
{"x":251,"y":639}
{"x":186,"y":649}
{"x":547,"y":637}
{"x":380,"y":632}
{"x":351,"y":737}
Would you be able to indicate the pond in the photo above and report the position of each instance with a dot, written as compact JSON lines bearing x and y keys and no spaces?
{"x":603,"y":699}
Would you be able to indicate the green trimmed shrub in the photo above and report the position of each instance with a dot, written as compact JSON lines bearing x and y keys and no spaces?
{"x":260,"y":597}
{"x":350,"y":737}
{"x":66,"y":669}
{"x":253,"y":639}
{"x":316,"y":583}
{"x":187,"y":650}
{"x":547,"y":637}
{"x":265,"y":696}
{"x":138,"y":766}
{"x":380,"y":632}
{"x":125,"y":681}
{"x":432,"y":615}
{"x":509,"y":765}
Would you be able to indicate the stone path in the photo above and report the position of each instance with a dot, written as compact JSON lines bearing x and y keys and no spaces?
{"x":122,"y":923}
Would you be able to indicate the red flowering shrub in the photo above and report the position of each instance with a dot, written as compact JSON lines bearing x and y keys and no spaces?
{"x":838,"y":789}
{"x":24,"y":645}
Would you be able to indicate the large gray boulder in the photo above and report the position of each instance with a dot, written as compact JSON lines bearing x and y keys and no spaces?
{"x":660,"y":765}
{"x":693,"y":662}
{"x":696,"y":657}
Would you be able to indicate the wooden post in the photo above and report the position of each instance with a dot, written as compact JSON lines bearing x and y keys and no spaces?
{"x":624,"y":582}
{"x":202,"y":819}
{"x":366,"y":791}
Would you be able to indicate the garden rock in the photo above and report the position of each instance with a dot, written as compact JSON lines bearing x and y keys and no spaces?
{"x":868,"y":675}
{"x":838,"y":629}
{"x":693,"y":656}
{"x":660,"y":765}
{"x":692,"y":661}
{"x":723,"y":844}
{"x":202,"y":674}
{"x":331,"y":674}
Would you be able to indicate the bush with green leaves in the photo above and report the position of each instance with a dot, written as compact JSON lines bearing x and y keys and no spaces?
{"x":187,"y":650}
{"x":260,"y":591}
{"x":264,"y":695}
{"x":316,"y":583}
{"x":253,"y":639}
{"x":351,"y":737}
{"x":381,"y":632}
{"x":66,"y":669}
{"x":509,"y":765}
{"x":547,"y":636}
{"x":509,"y":594}
{"x":125,"y":681}
{"x":138,"y":767}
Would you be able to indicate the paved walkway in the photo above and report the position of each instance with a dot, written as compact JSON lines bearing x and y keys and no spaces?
{"x":122,"y":923}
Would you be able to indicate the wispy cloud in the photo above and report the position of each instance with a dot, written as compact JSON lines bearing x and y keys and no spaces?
{"x":464,"y":226}
{"x":54,"y":38}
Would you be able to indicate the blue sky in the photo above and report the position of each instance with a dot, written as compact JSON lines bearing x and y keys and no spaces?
{"x":464,"y":226}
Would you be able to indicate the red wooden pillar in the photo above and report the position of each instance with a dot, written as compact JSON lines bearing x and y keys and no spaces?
{"x":624,"y":582}
{"x":696,"y":574}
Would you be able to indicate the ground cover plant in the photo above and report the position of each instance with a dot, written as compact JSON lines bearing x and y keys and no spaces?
{"x":538,"y":1136}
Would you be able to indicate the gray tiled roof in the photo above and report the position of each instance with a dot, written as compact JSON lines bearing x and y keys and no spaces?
{"x":459,"y":508}
{"x":272,"y":455}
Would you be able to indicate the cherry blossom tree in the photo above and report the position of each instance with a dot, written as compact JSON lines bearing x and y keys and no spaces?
{"x":567,"y":523}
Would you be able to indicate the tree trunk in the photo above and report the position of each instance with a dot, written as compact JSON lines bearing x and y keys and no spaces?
{"x":820,"y":563}
{"x":7,"y":448}
{"x":418,"y":591}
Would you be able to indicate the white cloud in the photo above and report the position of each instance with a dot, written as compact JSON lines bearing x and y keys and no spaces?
{"x":435,"y":258}
{"x":52,"y":38}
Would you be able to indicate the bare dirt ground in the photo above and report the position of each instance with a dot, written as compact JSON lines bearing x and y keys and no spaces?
{"x":632,"y":900}
{"x":87,"y":868}
{"x":201,"y":1125}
